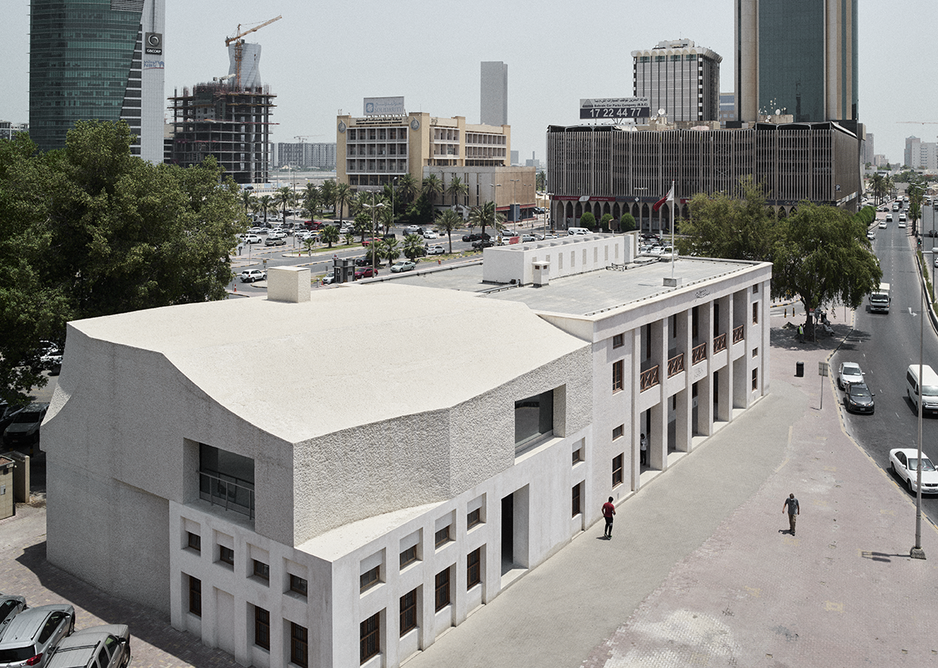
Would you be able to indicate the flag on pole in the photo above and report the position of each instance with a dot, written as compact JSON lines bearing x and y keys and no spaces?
{"x":667,"y":198}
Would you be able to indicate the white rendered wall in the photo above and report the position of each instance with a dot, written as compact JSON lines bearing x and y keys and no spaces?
{"x":504,"y":264}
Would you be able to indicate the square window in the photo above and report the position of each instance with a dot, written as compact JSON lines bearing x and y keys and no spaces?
{"x":408,"y":612}
{"x":370,"y":578}
{"x":226,"y":555}
{"x":370,"y":638}
{"x":617,"y":476}
{"x":755,"y":352}
{"x":442,"y":536}
{"x":617,"y":341}
{"x":578,"y":455}
{"x":194,"y":541}
{"x":617,"y":371}
{"x":474,"y":568}
{"x":618,"y":432}
{"x":261,"y":570}
{"x":299,"y":585}
{"x":474,"y":518}
{"x":299,"y":645}
{"x":409,"y":556}
{"x":755,"y":289}
{"x":441,"y":590}
{"x":261,"y":628}
{"x":195,"y":596}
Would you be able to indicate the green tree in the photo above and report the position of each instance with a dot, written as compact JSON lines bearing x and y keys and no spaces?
{"x":485,"y":214}
{"x":457,"y":188}
{"x":311,"y":199}
{"x":540,"y":181}
{"x":604,"y":222}
{"x":627,"y":223}
{"x":407,"y":188}
{"x":362,"y":225}
{"x":413,"y":247}
{"x":349,"y":239}
{"x":916,"y":192}
{"x":284,"y":198}
{"x":247,"y":200}
{"x":588,"y":220}
{"x":329,"y":234}
{"x":390,"y":250}
{"x":447,"y":221}
{"x":373,"y":252}
{"x":432,"y":187}
{"x":265,"y":204}
{"x":327,"y":194}
{"x":343,"y":197}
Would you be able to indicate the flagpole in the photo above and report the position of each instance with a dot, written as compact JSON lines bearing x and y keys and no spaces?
{"x":672,"y":229}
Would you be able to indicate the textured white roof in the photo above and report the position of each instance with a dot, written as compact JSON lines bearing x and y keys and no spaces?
{"x":350,"y":356}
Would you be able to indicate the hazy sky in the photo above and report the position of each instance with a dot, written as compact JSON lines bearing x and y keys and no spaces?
{"x":323,"y":57}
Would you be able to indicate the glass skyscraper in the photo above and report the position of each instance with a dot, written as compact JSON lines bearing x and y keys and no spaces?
{"x":97,"y":59}
{"x":798,"y":57}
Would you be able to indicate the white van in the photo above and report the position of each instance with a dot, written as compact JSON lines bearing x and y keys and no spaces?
{"x":929,"y":385}
{"x":571,"y":231}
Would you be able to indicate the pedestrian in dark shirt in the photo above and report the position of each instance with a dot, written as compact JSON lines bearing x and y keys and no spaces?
{"x":793,"y":508}
{"x":609,"y":510}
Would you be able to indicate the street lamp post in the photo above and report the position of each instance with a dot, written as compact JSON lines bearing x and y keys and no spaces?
{"x":494,"y":206}
{"x":374,"y":206}
{"x":917,"y":552}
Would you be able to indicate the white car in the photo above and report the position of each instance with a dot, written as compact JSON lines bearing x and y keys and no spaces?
{"x":277,"y":234}
{"x":901,"y":225}
{"x":253,"y":239}
{"x":903,"y":462}
{"x":251,"y":275}
{"x":436,"y":249}
{"x":849,"y":373}
{"x":882,"y":225}
{"x":430,"y":234}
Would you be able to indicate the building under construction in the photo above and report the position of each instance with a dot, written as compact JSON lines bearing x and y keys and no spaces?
{"x":230,"y":123}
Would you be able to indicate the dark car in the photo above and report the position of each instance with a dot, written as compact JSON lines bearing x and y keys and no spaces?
{"x":6,"y":415}
{"x":362,"y":262}
{"x":858,"y":398}
{"x":367,"y":272}
{"x":23,"y":431}
{"x":482,"y":243}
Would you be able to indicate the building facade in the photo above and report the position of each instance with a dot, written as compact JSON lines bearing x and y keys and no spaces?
{"x":680,"y":78}
{"x":920,"y":154}
{"x":319,"y":155}
{"x":97,"y":60}
{"x":229,"y":123}
{"x":797,"y":56}
{"x":727,"y":108}
{"x":494,"y":94}
{"x":9,"y":130}
{"x":605,"y":169}
{"x":289,"y":527}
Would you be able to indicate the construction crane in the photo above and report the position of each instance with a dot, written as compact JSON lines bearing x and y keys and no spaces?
{"x":238,"y":42}
{"x":302,"y":138}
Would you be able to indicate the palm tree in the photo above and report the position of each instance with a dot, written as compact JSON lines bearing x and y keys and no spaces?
{"x":407,"y":188}
{"x":431,"y":187}
{"x":447,"y":221}
{"x":311,"y":199}
{"x":284,"y":197}
{"x":343,"y":196}
{"x":485,"y":214}
{"x":266,"y":204}
{"x":247,"y":198}
{"x":390,"y":250}
{"x":413,"y":247}
{"x":329,"y":234}
{"x":362,"y":225}
{"x":327,"y":194}
{"x":456,"y":188}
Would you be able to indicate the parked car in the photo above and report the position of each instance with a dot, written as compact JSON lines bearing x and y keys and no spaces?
{"x":413,"y":229}
{"x":858,"y":398}
{"x":402,"y":266}
{"x":903,"y":462}
{"x":882,"y":225}
{"x":23,"y":431}
{"x":543,"y":237}
{"x":253,"y":239}
{"x":6,"y":415}
{"x":526,"y":238}
{"x":870,"y":235}
{"x":328,"y":279}
{"x":435,"y":249}
{"x":482,"y":243}
{"x":367,"y":272}
{"x":471,"y":237}
{"x":275,"y":240}
{"x":51,"y":357}
{"x":251,"y":275}
{"x":106,"y":646}
{"x":10,"y":607}
{"x":849,"y":373}
{"x":362,"y":261}
{"x":430,"y":234}
{"x":31,"y":638}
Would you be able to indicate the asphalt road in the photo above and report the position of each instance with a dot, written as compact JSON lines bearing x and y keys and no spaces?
{"x":885,"y":345}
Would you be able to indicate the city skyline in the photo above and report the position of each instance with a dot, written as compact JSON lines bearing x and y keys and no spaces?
{"x":315,"y":72}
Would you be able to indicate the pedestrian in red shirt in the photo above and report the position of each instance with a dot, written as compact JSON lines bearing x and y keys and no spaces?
{"x":609,"y":511}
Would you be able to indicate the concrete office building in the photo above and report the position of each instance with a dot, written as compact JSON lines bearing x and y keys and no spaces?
{"x":97,"y":59}
{"x":867,"y":151}
{"x":920,"y":154}
{"x":9,"y":130}
{"x":320,"y":155}
{"x":679,"y":77}
{"x":607,"y":169}
{"x":494,"y":95}
{"x":727,"y":108}
{"x":260,"y":508}
{"x":798,"y":56}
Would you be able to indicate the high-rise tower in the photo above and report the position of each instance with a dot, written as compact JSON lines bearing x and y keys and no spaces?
{"x":679,"y":77}
{"x":797,"y":56}
{"x":97,"y":59}
{"x":494,"y":93}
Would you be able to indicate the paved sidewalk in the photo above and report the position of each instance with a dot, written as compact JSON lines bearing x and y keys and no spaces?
{"x":701,"y":570}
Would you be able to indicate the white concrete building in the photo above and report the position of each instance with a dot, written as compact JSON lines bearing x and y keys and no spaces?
{"x":345,"y":509}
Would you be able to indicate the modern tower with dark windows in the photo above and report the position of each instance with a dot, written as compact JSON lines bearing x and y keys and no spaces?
{"x":97,"y":60}
{"x":797,"y":56}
